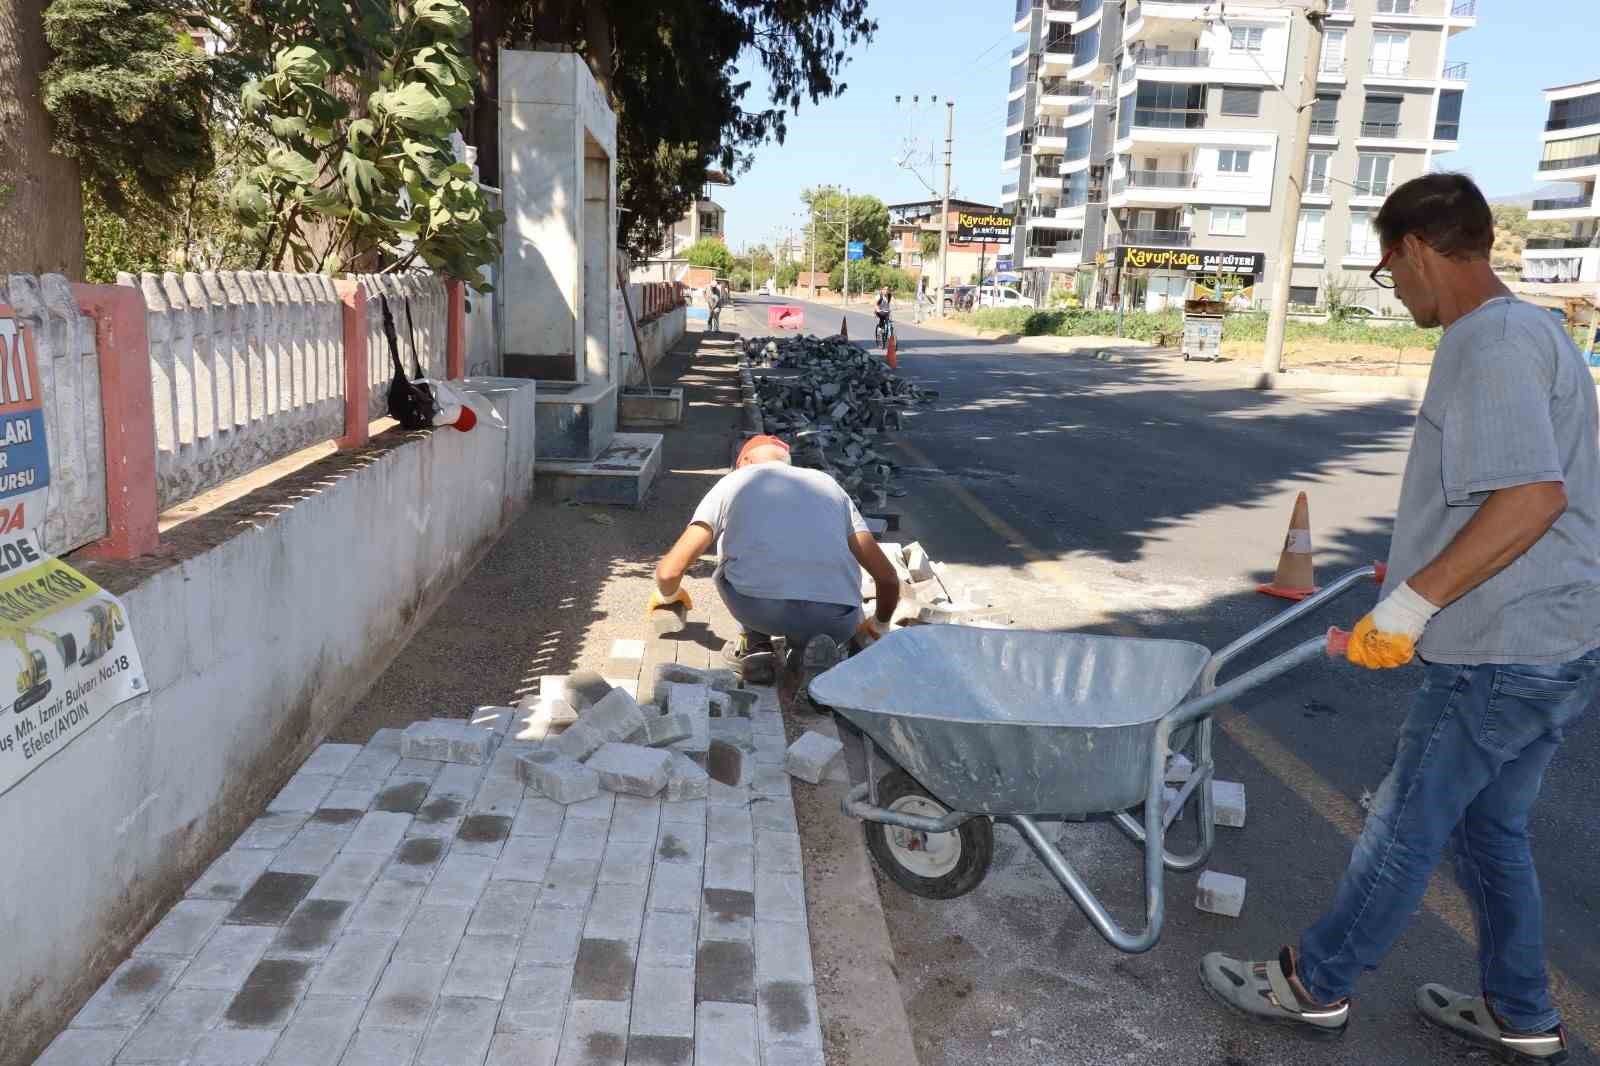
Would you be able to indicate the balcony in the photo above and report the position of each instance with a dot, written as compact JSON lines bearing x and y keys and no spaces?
{"x":1573,"y":122}
{"x":1464,"y":9}
{"x":1447,"y":131}
{"x":1574,"y":163}
{"x":1454,"y":72}
{"x":1161,"y":179}
{"x":1155,"y":238}
{"x":1062,"y":87}
{"x":1200,"y":57}
{"x":1370,"y":187}
{"x":1063,"y":7}
{"x":1536,"y":244}
{"x":1566,"y":203}
{"x":1179,"y":118}
{"x":1009,"y":189}
{"x":1043,"y":251}
{"x":1388,"y":68}
{"x":1324,"y":127}
{"x":1390,"y":130}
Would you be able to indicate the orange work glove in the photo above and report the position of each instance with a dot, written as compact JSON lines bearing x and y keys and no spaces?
{"x":1387,"y":637}
{"x":658,"y":601}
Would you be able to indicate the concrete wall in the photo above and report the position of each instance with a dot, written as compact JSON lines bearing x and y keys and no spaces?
{"x":260,"y":625}
{"x":658,"y":337}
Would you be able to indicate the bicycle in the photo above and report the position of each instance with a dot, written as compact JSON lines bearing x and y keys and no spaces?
{"x":883,"y":332}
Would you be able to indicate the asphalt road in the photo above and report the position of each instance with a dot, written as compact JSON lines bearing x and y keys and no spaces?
{"x":1136,"y":497}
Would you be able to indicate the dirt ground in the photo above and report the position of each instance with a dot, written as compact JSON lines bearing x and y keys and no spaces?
{"x":1340,"y":358}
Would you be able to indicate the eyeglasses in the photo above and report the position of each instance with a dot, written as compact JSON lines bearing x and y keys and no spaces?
{"x":1381,"y":277}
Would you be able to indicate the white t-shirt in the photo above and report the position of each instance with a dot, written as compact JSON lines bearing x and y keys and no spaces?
{"x":783,"y":533}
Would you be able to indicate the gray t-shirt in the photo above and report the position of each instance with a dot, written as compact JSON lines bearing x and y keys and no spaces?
{"x":1509,"y":402}
{"x":783,"y":534}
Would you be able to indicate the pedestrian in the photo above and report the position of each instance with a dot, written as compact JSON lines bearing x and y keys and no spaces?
{"x":790,"y":550}
{"x":1494,"y":584}
{"x":714,"y":302}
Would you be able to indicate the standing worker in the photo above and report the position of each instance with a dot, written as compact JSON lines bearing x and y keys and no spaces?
{"x":714,"y":302}
{"x":1494,"y":583}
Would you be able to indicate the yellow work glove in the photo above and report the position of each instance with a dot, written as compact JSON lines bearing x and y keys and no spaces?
{"x":1387,"y":637}
{"x":658,"y":601}
{"x":868,"y":632}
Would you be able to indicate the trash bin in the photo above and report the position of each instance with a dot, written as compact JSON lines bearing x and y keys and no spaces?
{"x":1202,"y":329}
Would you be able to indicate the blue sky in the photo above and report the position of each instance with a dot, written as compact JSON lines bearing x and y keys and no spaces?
{"x":961,"y":51}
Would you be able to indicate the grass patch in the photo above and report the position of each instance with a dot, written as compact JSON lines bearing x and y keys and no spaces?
{"x":1145,"y":325}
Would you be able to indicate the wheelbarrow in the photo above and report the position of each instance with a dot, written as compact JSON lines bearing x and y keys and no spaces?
{"x":949,"y":728}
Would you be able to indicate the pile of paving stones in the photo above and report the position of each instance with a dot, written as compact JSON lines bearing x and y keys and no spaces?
{"x":835,"y":408}
{"x":928,"y":597}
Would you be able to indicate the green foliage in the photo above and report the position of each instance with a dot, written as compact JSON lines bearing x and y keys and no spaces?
{"x":711,"y":253}
{"x":867,"y":276}
{"x":129,"y":96}
{"x":930,"y":247}
{"x":337,"y":188}
{"x":788,"y":275}
{"x":1145,"y":325}
{"x":869,"y":223}
{"x":1253,"y":327}
{"x":1512,"y":230}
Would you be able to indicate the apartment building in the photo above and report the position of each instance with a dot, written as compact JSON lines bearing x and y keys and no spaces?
{"x":1167,"y":125}
{"x":909,"y":221}
{"x":703,"y":218}
{"x":1571,"y":154}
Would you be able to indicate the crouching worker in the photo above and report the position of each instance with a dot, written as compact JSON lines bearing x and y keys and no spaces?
{"x":790,"y":549}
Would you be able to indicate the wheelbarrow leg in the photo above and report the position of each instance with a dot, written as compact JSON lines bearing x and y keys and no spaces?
{"x":1204,"y":810}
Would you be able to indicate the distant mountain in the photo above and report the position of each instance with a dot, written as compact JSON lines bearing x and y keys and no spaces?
{"x":1526,"y":199}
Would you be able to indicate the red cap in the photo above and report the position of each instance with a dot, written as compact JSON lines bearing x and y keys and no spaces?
{"x":756,"y":442}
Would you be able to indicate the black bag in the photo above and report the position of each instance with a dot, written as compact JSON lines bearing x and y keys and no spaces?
{"x":410,"y":403}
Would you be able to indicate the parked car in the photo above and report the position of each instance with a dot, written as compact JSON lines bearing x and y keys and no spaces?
{"x":959,"y":297}
{"x":1002,"y":296}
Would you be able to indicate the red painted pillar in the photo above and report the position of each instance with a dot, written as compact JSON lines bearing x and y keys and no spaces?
{"x":127,"y":411}
{"x":356,"y":386}
{"x":455,"y":359}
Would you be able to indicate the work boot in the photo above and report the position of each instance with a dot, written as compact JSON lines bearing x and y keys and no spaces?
{"x":1271,"y":991}
{"x":1472,"y":1019}
{"x":822,"y":653}
{"x":752,"y":658}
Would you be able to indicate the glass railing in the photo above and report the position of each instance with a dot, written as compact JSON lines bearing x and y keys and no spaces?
{"x":1563,"y":243}
{"x":1575,"y":120}
{"x":1324,"y":127}
{"x":1394,"y":7}
{"x":1380,"y":129}
{"x":1455,"y":71}
{"x":1388,"y":68}
{"x":1371,"y":187}
{"x":1159,"y":238}
{"x":1169,"y":118}
{"x":1200,"y":57}
{"x":1447,"y":131}
{"x":1571,"y":163}
{"x":1464,"y":9}
{"x":1161,"y":179}
{"x":1564,"y":203}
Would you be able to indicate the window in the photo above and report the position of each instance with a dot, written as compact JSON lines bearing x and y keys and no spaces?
{"x":1317,"y":173}
{"x":1325,"y":115}
{"x":1233,"y":161}
{"x":1241,"y":102}
{"x":1372,"y":175}
{"x":1573,"y":113}
{"x":1381,"y":117}
{"x":1227,"y":221}
{"x":1447,"y":127}
{"x":1303,"y":295}
{"x":1394,"y":7}
{"x":1246,"y":39}
{"x":1169,"y":105}
{"x":1309,"y":231}
{"x":1573,"y":152}
{"x":1363,"y":238}
{"x":1391,"y":54}
{"x":1333,"y":51}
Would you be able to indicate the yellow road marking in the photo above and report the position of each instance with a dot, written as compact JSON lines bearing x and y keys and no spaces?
{"x":1443,"y":900}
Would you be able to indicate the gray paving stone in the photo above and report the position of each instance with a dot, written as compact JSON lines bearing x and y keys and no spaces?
{"x":272,"y":831}
{"x":778,"y":852}
{"x":386,"y":908}
{"x":311,"y":850}
{"x":231,"y":876}
{"x":302,"y":792}
{"x":503,"y":720}
{"x":271,"y":899}
{"x":452,"y":740}
{"x":227,"y":958}
{"x":783,"y":952}
{"x":617,"y":912}
{"x":582,"y":839}
{"x":524,"y":1049}
{"x":83,"y":1047}
{"x":382,"y":1047}
{"x":729,"y":825}
{"x":766,"y":722}
{"x":770,"y":749}
{"x":416,"y":860}
{"x":421,"y":769}
{"x":683,"y":810}
{"x":536,"y":1000}
{"x":504,"y":908}
{"x":675,"y":887}
{"x":682,"y":842}
{"x":384,"y":740}
{"x":319,"y":1032}
{"x":585,"y":689}
{"x":812,"y":756}
{"x":457,"y":781}
{"x":727,"y":914}
{"x":482,"y":967}
{"x":663,"y":729}
{"x":524,"y":859}
{"x":270,"y":994}
{"x":185,"y":928}
{"x":663,"y":1002}
{"x":348,"y":877}
{"x":460,"y":880}
{"x":356,"y":797}
{"x":791,"y":1055}
{"x":373,"y":764}
{"x":233,"y":1047}
{"x":596,"y":1034}
{"x":635,"y":818}
{"x":432,"y":934}
{"x":551,"y":938}
{"x":686,"y":780}
{"x":569,"y":884}
{"x":405,"y":996}
{"x":178,"y":1022}
{"x":354,"y":965}
{"x":379,"y":832}
{"x":669,"y":939}
{"x":482,"y":834}
{"x":774,"y":814}
{"x":578,"y":741}
{"x":603,"y":970}
{"x":402,"y":795}
{"x":311,"y":929}
{"x":786,"y":1013}
{"x":596,"y":808}
{"x":499,"y":794}
{"x":730,"y":866}
{"x":725,"y":1035}
{"x":780,"y":897}
{"x":616,"y":717}
{"x":627,"y":863}
{"x":725,"y":972}
{"x":460,"y":1032}
{"x":538,"y":817}
{"x":770,"y":781}
{"x":557,"y":777}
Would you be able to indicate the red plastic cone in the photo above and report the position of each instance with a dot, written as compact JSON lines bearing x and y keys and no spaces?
{"x":1295,"y":578}
{"x":893,"y":359}
{"x":844,"y":328}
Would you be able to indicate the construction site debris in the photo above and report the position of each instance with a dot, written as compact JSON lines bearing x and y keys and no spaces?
{"x":556,"y":776}
{"x":616,"y":717}
{"x":631,"y":769}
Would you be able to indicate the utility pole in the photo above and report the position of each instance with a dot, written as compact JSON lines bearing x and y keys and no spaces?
{"x":846,"y":247}
{"x":944,"y":222}
{"x":813,"y":254}
{"x":1283,"y":269}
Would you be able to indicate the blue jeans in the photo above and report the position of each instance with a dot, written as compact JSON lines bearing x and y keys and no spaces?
{"x":797,"y":621}
{"x":1467,"y":770}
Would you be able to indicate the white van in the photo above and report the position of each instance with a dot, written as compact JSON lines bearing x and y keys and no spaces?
{"x":1002,"y":296}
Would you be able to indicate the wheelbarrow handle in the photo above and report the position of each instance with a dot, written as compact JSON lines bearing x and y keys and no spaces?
{"x":1338,"y":642}
{"x":1344,"y":583}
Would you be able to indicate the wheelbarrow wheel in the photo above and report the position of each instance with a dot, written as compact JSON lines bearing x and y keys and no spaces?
{"x":930,"y":865}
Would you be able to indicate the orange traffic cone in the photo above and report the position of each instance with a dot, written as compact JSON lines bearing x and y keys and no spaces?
{"x":844,"y":328}
{"x":1295,"y":578}
{"x":890,"y":356}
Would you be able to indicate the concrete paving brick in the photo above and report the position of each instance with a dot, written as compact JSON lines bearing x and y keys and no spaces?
{"x":558,"y":777}
{"x":675,"y":887}
{"x":332,"y":759}
{"x":311,"y":850}
{"x":499,"y":795}
{"x":538,"y":816}
{"x":661,"y":730}
{"x":768,"y":723}
{"x":791,"y":1055}
{"x":500,"y":719}
{"x":725,"y":971}
{"x":233,"y":1047}
{"x":773,"y":814}
{"x":616,"y":717}
{"x":733,"y":791}
{"x":771,"y":749}
{"x":416,"y":860}
{"x":1219,"y":893}
{"x":418,"y":769}
{"x":626,"y":863}
{"x":379,"y":832}
{"x":272,"y":831}
{"x":524,"y":859}
{"x":403,"y":795}
{"x":178,"y":1022}
{"x":231,"y":875}
{"x":131,"y":992}
{"x":596,"y":1034}
{"x":778,"y":852}
{"x":1228,"y":809}
{"x":354,"y":965}
{"x":319,"y":1032}
{"x":373,"y":764}
{"x":458,"y":781}
{"x":271,"y":899}
{"x":769,"y":781}
{"x":596,"y":808}
{"x":786,"y":1013}
{"x":578,"y":741}
{"x":504,"y":908}
{"x":349,"y":877}
{"x":381,"y":1047}
{"x":730,"y":866}
{"x":482,"y":967}
{"x":627,"y":649}
{"x":783,"y":952}
{"x":727,"y":914}
{"x":482,"y":834}
{"x":524,"y":1049}
{"x":682,"y":843}
{"x":812,"y":756}
{"x":780,"y":897}
{"x":729,"y":825}
{"x":311,"y":930}
{"x":691,"y":809}
{"x":686,"y":780}
{"x":386,"y":908}
{"x":582,"y":839}
{"x":356,"y":797}
{"x":302,"y":792}
{"x":616,"y":913}
{"x":536,"y":999}
{"x":452,"y":740}
{"x":603,"y":970}
{"x":585,"y":689}
{"x":185,"y":927}
{"x":405,"y":996}
{"x":569,"y":884}
{"x":384,"y":740}
{"x":269,"y":995}
{"x":460,"y":1032}
{"x":663,"y":1002}
{"x":668,"y":939}
{"x":228,"y":957}
{"x":660,"y":1051}
{"x":551,"y":938}
{"x":725,"y":1035}
{"x":460,"y":880}
{"x":83,"y":1047}
{"x":635,"y":819}
{"x":432,"y":934}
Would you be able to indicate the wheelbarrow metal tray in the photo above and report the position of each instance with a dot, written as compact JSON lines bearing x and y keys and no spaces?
{"x":1005,"y":721}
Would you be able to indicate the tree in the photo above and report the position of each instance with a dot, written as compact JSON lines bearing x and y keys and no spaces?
{"x":788,"y":274}
{"x":929,"y":243}
{"x":712,"y":253}
{"x":763,"y":264}
{"x":41,"y":196}
{"x":869,"y":223}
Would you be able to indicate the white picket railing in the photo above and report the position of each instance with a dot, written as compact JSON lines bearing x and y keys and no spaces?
{"x":429,"y":317}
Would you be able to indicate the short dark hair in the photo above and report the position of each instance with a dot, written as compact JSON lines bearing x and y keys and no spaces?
{"x":1447,"y":212}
